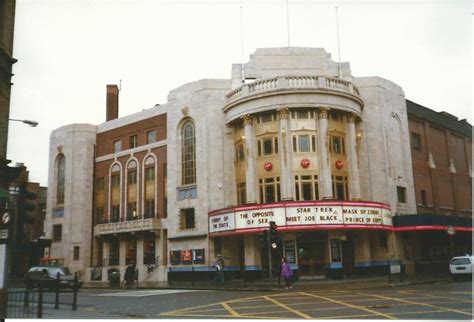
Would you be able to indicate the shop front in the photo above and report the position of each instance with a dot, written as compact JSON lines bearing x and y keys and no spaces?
{"x":318,"y":238}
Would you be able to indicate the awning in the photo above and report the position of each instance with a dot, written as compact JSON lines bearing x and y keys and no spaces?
{"x":431,"y":222}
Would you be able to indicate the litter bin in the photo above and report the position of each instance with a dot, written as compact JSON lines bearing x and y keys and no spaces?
{"x":113,"y":275}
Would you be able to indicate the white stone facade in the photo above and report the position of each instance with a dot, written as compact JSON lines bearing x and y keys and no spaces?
{"x":373,"y":121}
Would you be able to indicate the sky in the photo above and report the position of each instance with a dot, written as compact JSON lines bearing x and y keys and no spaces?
{"x":68,"y":50}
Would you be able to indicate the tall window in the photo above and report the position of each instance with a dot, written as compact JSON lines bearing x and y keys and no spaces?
{"x":132,"y":191}
{"x":149,"y":209}
{"x":115,"y":193}
{"x":61,"y":180}
{"x":269,"y":190}
{"x":57,"y":232}
{"x":187,"y":220}
{"x":267,"y":146}
{"x":306,"y":187}
{"x":239,"y":152}
{"x":117,"y":146}
{"x":416,"y":141}
{"x":337,"y":145}
{"x":340,"y":187}
{"x":402,"y":194}
{"x":114,"y":251}
{"x":188,"y":161}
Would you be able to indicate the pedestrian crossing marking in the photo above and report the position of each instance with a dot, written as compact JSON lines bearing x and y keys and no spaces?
{"x":143,"y":293}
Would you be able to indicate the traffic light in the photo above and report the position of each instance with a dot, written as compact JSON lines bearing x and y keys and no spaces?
{"x":26,"y":206}
{"x":263,"y":239}
{"x":273,"y":235}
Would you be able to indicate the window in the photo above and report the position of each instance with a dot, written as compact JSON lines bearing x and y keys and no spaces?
{"x":340,"y":187}
{"x":149,"y":208}
{"x":188,"y":149}
{"x":265,"y":118}
{"x":151,"y":136}
{"x":416,"y":141}
{"x":307,"y":187}
{"x":301,"y":115}
{"x":149,"y":250}
{"x":187,"y":219}
{"x":337,"y":145}
{"x":99,"y":215}
{"x":115,"y":181}
{"x":132,"y":177}
{"x":269,"y":190}
{"x":150,"y":174}
{"x":267,"y":146}
{"x":57,"y":232}
{"x":401,"y":193}
{"x":117,"y":146}
{"x":115,"y":213}
{"x":132,"y":210}
{"x":99,"y":184}
{"x":76,"y":253}
{"x":61,"y":180}
{"x":304,"y":143}
{"x":239,"y":152}
{"x":423,"y":198}
{"x":241,"y":194}
{"x":132,"y":141}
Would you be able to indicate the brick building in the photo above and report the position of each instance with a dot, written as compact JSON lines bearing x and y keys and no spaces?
{"x":283,"y":140}
{"x":441,"y":148}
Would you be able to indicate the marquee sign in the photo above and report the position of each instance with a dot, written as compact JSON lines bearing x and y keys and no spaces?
{"x":292,"y":215}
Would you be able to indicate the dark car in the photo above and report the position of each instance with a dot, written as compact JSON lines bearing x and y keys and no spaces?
{"x":46,"y":277}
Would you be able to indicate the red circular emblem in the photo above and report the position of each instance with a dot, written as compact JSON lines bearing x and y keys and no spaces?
{"x":268,"y":166}
{"x":305,"y":163}
{"x":339,"y":164}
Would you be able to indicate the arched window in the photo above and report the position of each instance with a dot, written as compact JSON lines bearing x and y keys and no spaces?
{"x":149,"y":185}
{"x":115,"y":193}
{"x":132,"y":177}
{"x":188,"y":154}
{"x":61,"y":163}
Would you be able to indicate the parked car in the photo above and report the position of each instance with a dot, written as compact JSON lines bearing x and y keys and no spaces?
{"x":47,"y":275}
{"x":461,"y":266}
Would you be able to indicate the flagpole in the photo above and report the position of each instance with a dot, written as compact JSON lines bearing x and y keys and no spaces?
{"x":338,"y":45}
{"x":288,"y":21}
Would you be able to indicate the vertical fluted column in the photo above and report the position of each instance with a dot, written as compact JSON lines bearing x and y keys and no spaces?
{"x":251,"y":174}
{"x":325,"y":168}
{"x":286,"y":157}
{"x":354,"y":177}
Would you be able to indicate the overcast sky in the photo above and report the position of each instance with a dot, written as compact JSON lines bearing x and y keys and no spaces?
{"x":68,"y":50}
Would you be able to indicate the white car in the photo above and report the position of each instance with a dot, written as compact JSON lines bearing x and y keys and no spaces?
{"x":461,"y":266}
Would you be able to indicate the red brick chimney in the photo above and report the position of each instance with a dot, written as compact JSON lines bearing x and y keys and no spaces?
{"x":112,"y":102}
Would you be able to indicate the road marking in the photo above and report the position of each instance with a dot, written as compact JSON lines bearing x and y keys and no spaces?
{"x":416,"y":303}
{"x":288,"y":308}
{"x":387,"y":316}
{"x":230,"y":310}
{"x":143,"y":293}
{"x":437,"y":297}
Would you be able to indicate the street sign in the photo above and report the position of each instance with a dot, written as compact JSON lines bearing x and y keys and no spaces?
{"x":3,"y":233}
{"x":451,"y":230}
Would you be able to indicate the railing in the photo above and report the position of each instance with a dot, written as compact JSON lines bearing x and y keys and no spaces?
{"x":292,"y":82}
{"x":128,"y":226}
{"x":24,"y":305}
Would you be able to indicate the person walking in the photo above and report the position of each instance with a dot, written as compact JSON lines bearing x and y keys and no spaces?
{"x":129,"y":275}
{"x":286,"y":273}
{"x":219,"y":265}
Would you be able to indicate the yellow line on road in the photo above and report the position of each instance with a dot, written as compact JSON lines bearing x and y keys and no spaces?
{"x":416,"y":303}
{"x":287,"y":308}
{"x":437,"y":297}
{"x":420,"y":312}
{"x":387,"y":316}
{"x":231,"y":310}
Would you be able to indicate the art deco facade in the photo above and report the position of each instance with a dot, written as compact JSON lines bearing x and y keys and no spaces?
{"x":284,"y":140}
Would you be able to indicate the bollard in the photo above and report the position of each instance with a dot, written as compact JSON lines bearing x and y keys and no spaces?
{"x":39,"y":312}
{"x":56,"y":302}
{"x":245,"y":278}
{"x":192,"y":274}
{"x":26,"y":301}
{"x":74,"y":294}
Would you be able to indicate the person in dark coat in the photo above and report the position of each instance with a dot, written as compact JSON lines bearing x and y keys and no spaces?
{"x":219,"y":265}
{"x":286,"y":273}
{"x":129,"y":274}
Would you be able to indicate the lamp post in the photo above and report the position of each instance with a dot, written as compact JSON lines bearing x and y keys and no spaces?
{"x":30,"y":123}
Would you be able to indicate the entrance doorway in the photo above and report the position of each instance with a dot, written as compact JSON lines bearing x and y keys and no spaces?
{"x":311,"y":258}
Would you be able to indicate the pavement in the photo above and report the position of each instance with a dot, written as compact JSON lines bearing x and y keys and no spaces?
{"x":374,"y":282}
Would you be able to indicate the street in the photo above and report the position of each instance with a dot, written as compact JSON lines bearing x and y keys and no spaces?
{"x":443,"y":300}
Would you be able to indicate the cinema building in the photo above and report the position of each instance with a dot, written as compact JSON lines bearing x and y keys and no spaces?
{"x":291,"y":137}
